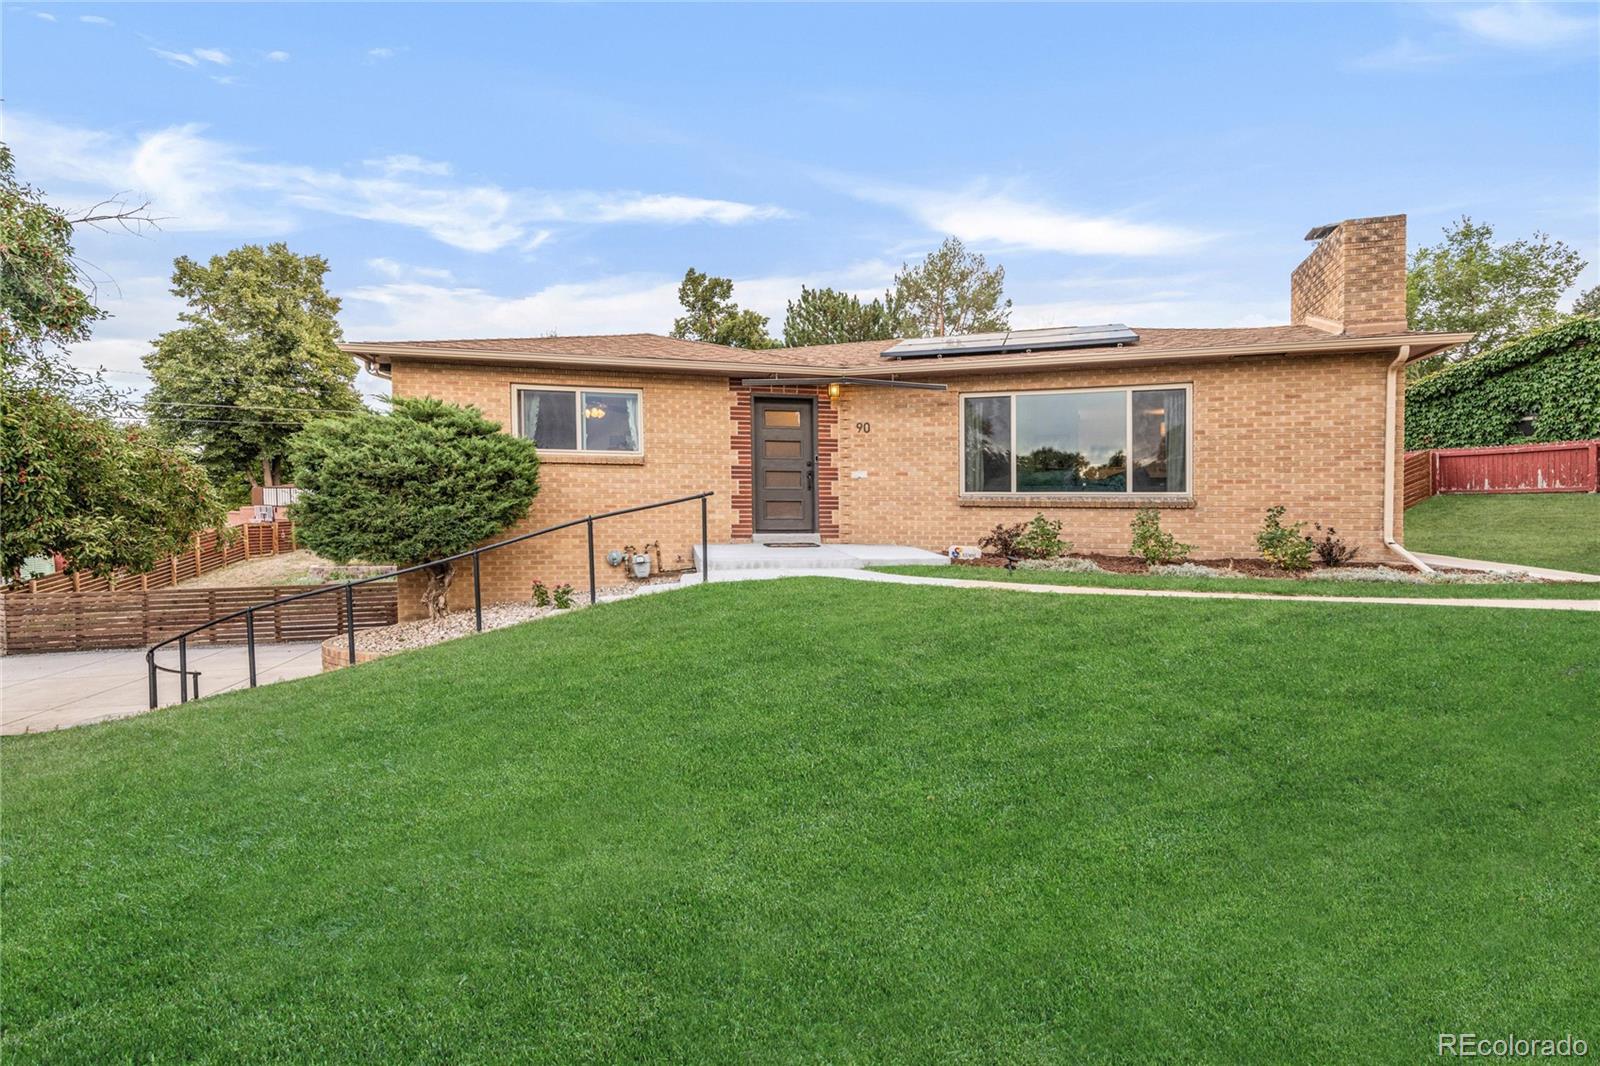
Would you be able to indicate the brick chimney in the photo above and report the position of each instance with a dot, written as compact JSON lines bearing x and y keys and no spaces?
{"x":1355,"y":281}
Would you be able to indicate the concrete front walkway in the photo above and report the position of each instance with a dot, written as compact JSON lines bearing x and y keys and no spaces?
{"x":1174,"y":594}
{"x":1543,"y":573}
{"x":59,"y":689}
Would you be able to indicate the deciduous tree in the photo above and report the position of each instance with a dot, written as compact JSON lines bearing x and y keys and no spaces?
{"x":45,"y":305}
{"x":427,"y":480}
{"x":256,"y":359}
{"x":1587,"y":304}
{"x":72,"y":480}
{"x":1500,"y":292}
{"x":711,"y":315}
{"x":103,"y":495}
{"x":953,"y":291}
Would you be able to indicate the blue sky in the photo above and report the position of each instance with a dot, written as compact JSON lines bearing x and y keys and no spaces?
{"x":502,"y":170}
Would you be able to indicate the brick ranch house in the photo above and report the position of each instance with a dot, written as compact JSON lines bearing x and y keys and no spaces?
{"x":932,"y":442}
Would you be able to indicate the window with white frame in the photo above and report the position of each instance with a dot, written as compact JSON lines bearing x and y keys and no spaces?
{"x":1077,"y":441}
{"x":580,"y":420}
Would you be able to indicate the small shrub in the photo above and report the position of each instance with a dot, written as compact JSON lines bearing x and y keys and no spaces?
{"x":1042,"y":540}
{"x":541,"y":594}
{"x":561,"y":596}
{"x":1330,"y":549}
{"x":1152,"y":543}
{"x":1284,"y":546}
{"x":1003,"y":539}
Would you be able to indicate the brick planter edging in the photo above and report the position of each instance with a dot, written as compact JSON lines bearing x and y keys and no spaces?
{"x":336,"y":653}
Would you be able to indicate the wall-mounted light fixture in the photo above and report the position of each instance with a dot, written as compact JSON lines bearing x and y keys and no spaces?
{"x":834,"y":388}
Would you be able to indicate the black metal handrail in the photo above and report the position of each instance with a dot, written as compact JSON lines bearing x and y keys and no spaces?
{"x":249,"y":613}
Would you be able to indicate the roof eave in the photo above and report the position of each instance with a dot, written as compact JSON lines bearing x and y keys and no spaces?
{"x":1423,"y":345}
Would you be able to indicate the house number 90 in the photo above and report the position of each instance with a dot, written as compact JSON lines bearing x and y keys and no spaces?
{"x":863,"y":427}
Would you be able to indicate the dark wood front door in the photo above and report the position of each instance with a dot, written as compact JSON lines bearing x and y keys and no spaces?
{"x":785,"y":466}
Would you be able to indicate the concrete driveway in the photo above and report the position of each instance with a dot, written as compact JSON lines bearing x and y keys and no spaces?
{"x":54,"y":690}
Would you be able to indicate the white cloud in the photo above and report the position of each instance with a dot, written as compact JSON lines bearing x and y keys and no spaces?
{"x":682,"y":209}
{"x":396,"y":270}
{"x":408,"y":164}
{"x":996,"y":217}
{"x":1404,"y":54}
{"x":199,"y":183}
{"x":96,"y":20}
{"x":177,"y":58}
{"x":409,"y":310}
{"x":382,"y":53}
{"x":196,"y":57}
{"x":1522,"y":24}
{"x":277,"y":57}
{"x":1527,"y":24}
{"x":141,"y":307}
{"x":44,"y":15}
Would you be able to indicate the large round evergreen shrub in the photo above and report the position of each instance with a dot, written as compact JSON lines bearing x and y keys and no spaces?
{"x":425,"y":481}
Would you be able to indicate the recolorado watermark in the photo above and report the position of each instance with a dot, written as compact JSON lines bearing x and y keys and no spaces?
{"x":1473,"y":1046}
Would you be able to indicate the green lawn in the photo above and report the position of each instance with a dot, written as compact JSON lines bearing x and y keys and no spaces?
{"x":1556,"y":529}
{"x":1286,"y":586}
{"x":826,"y":820}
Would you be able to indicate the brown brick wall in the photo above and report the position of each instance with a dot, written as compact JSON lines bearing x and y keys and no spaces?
{"x":1306,"y":432}
{"x":1375,"y":276}
{"x":1303,"y":431}
{"x":686,"y":450}
{"x":1356,"y":277}
{"x":1317,"y":285}
{"x":743,"y":464}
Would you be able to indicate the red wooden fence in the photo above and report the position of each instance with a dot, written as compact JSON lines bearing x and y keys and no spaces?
{"x":247,"y":541}
{"x":80,"y":621}
{"x":1570,"y":466}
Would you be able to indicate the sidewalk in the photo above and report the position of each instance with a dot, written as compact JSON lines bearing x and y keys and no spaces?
{"x":1544,"y":573}
{"x":55,"y":690}
{"x":1176,"y":594}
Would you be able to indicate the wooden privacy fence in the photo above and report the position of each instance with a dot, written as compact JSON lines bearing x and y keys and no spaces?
{"x":1419,"y":477}
{"x":210,"y":552}
{"x":85,"y":621}
{"x":1569,"y":466}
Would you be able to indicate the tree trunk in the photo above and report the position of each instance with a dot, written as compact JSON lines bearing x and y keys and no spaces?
{"x":434,"y":596}
{"x":266,"y":470}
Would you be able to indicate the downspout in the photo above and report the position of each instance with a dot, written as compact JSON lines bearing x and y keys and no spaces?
{"x":1392,"y":397}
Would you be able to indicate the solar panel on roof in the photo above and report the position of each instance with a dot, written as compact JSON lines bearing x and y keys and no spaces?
{"x":1015,"y":341}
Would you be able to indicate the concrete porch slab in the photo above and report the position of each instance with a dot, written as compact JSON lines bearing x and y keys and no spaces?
{"x":825,"y":557}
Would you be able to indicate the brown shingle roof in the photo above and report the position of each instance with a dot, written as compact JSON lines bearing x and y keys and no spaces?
{"x":859,"y":355}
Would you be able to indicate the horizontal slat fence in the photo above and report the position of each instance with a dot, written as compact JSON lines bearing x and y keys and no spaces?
{"x":1419,"y":477}
{"x":210,"y":552}
{"x":87,"y":621}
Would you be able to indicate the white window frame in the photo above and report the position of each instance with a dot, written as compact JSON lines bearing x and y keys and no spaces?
{"x":1127,"y":391}
{"x":577,"y":391}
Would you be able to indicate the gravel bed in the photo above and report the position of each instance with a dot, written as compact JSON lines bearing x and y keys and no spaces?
{"x":405,"y":636}
{"x":1066,"y":564}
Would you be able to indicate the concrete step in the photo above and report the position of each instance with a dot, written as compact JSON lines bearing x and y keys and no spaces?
{"x":825,"y":557}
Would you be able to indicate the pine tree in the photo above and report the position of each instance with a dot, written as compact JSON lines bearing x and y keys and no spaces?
{"x":827,"y":316}
{"x":952,"y":291}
